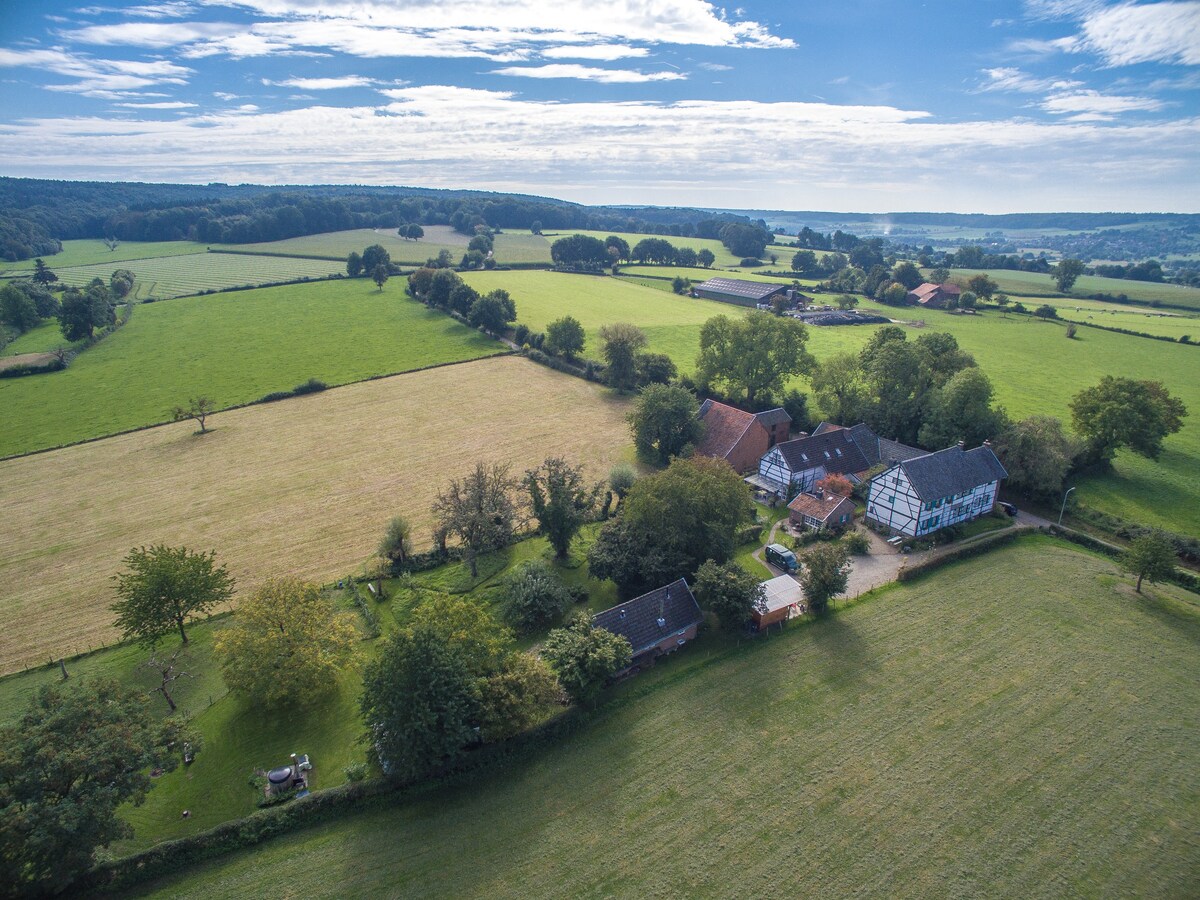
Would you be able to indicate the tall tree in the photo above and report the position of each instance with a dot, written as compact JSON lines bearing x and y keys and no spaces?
{"x":565,"y":336}
{"x":533,"y":596}
{"x":166,"y":586}
{"x":664,"y":421}
{"x":1123,"y":412}
{"x":585,"y":657}
{"x":479,"y":510}
{"x":1037,"y":454}
{"x":825,"y":574}
{"x":493,"y":311}
{"x":198,"y":408}
{"x":753,"y":355}
{"x":1149,"y":556}
{"x":396,"y":545}
{"x":961,"y":411}
{"x":66,"y":765}
{"x":1066,"y":273}
{"x":907,"y":274}
{"x":561,"y":500}
{"x":729,"y":591}
{"x":17,"y":311}
{"x":379,"y":275}
{"x":286,"y":644}
{"x":841,"y":389}
{"x":373,"y":256}
{"x":982,"y":285}
{"x":622,"y":341}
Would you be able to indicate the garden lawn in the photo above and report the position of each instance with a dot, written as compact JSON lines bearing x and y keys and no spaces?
{"x":232,"y":348}
{"x":86,"y":252}
{"x":508,"y":248}
{"x":303,"y":487}
{"x":179,"y":276}
{"x":975,"y":733}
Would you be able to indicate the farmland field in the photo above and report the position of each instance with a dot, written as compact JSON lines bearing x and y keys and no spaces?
{"x":964,"y":735}
{"x":177,"y":276}
{"x":303,"y":486}
{"x":723,"y":256}
{"x":44,"y":338}
{"x":1035,"y":283}
{"x":93,"y":252}
{"x":234,"y":348}
{"x":509,"y":248}
{"x":699,"y":274}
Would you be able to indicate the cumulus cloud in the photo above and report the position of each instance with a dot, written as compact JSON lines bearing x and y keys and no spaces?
{"x":697,"y":151}
{"x":323,"y":84}
{"x":603,"y":52}
{"x":588,"y":73}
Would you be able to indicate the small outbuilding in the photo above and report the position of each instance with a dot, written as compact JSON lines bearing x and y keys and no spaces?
{"x":818,"y":510}
{"x":784,"y":600}
{"x":655,"y":624}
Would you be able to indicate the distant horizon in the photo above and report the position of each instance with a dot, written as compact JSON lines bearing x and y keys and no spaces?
{"x":993,"y":108}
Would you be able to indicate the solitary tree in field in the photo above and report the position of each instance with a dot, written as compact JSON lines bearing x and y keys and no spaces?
{"x":164,"y":587}
{"x":287,"y":643}
{"x":198,"y":408}
{"x":380,"y":275}
{"x":1122,"y":412}
{"x":479,"y":510}
{"x":565,"y":336}
{"x":825,"y":573}
{"x":1150,"y":556}
{"x":1066,"y":273}
{"x":561,"y":500}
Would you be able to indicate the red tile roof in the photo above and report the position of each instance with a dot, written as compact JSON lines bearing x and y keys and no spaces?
{"x":820,"y":508}
{"x":723,"y":428}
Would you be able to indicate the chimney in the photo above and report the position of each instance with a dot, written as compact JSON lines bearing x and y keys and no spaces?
{"x":988,"y":442}
{"x":962,"y":445}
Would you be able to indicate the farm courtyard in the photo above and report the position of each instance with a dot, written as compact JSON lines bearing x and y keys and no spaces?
{"x":302,"y":487}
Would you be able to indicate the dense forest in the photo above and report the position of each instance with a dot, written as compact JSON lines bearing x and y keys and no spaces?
{"x":36,"y":214}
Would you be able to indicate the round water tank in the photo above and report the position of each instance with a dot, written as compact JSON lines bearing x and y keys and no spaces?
{"x":282,"y":775}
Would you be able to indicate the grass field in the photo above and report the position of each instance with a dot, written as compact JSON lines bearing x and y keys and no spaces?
{"x":723,"y":256}
{"x":303,"y":486}
{"x":698,"y":274}
{"x":1035,"y":283}
{"x":509,"y":248}
{"x":42,"y":339}
{"x":1017,"y":725}
{"x":178,"y":276}
{"x":234,"y":348}
{"x":94,"y":252}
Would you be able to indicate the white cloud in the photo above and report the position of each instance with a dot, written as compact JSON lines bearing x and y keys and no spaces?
{"x":588,"y":73}
{"x":166,"y":104}
{"x":1166,"y":32}
{"x":604,"y":52}
{"x":714,"y":67}
{"x":1097,"y":104}
{"x":323,"y":84}
{"x":95,"y":77}
{"x":1012,"y":79}
{"x":702,"y":152}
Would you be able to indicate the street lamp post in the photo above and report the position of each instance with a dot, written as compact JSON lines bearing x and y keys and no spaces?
{"x":1064,"y":505}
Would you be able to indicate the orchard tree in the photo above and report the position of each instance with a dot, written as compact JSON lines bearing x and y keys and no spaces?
{"x":664,"y":421}
{"x":164,"y":587}
{"x":478,"y":510}
{"x":825,"y":574}
{"x":1123,"y":412}
{"x":1066,"y":273}
{"x":753,"y":355}
{"x":67,"y":764}
{"x":729,"y":591}
{"x":1149,"y":556}
{"x":286,"y":644}
{"x":622,"y":342}
{"x":565,"y":336}
{"x":561,"y":500}
{"x":585,"y":658}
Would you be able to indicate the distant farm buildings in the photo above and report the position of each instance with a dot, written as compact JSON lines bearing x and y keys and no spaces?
{"x":743,"y":293}
{"x":935,"y":296}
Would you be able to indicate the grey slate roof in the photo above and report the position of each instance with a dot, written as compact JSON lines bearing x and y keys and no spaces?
{"x":952,"y":471}
{"x":833,"y":449}
{"x":638,"y":619}
{"x":734,"y":287}
{"x":881,"y":450}
{"x":772,"y":417}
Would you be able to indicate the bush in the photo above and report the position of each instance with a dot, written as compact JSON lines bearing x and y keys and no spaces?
{"x":534,"y":596}
{"x":857,"y":543}
{"x":312,"y":386}
{"x":19,"y":371}
{"x":975,"y":548}
{"x":748,"y":534}
{"x":355,"y":772}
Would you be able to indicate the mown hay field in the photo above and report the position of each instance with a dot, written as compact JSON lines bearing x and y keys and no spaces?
{"x":1018,"y":725}
{"x":234,"y":348}
{"x":178,"y":276}
{"x":89,"y":251}
{"x":303,"y":486}
{"x":515,"y":247}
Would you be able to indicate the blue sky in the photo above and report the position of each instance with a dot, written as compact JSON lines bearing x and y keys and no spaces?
{"x":856,"y":105}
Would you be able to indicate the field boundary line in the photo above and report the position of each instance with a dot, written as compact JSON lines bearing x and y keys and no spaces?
{"x":258,"y":402}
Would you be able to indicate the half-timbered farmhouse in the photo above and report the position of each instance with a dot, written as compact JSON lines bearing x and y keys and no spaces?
{"x":799,"y":464}
{"x":656,"y":623}
{"x":920,"y":495}
{"x":738,"y":437}
{"x":876,"y":450}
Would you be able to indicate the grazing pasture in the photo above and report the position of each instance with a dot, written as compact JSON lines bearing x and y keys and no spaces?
{"x":42,"y":339}
{"x":234,"y":348}
{"x":509,"y":248}
{"x":975,"y":733}
{"x":89,"y":251}
{"x":302,"y":486}
{"x":1041,"y":285}
{"x":178,"y":276}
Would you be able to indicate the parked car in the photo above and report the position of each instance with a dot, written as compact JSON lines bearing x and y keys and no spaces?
{"x":782,"y":558}
{"x":1008,"y":508}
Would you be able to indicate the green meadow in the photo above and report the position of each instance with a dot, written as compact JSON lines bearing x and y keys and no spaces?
{"x":1039,"y":284}
{"x":89,"y":252}
{"x":723,"y":256}
{"x":515,"y":247}
{"x":962,"y":735}
{"x":233,"y":348}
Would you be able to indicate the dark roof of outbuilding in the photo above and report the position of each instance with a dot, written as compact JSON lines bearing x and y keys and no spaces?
{"x":724,"y":426}
{"x":834,"y":449}
{"x":952,"y":471}
{"x":638,"y":620}
{"x":771,"y":417}
{"x":751,"y":290}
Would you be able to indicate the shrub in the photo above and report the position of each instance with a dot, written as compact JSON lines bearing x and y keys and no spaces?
{"x":749,"y":534}
{"x":534,"y":596}
{"x":857,"y":543}
{"x":750,"y":261}
{"x":355,"y":772}
{"x":312,"y":386}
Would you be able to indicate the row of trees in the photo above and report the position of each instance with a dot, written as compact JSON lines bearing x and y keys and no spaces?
{"x":582,"y":252}
{"x":444,"y":289}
